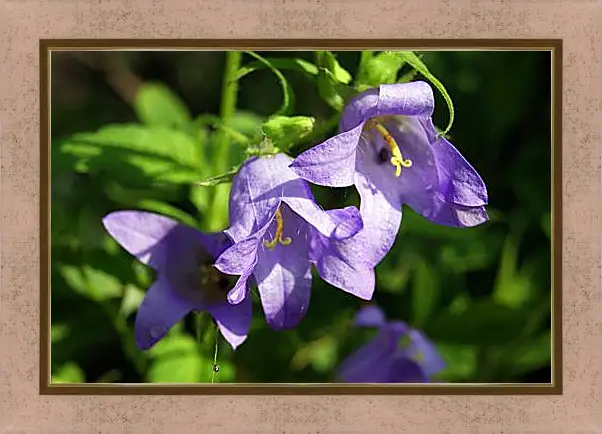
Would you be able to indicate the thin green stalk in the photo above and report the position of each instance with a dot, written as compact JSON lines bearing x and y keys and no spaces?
{"x":365,"y":57}
{"x":222,"y":155}
{"x":215,"y":368}
{"x":227,"y":106}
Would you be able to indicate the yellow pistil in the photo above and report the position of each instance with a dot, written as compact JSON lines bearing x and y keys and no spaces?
{"x":278,"y":236}
{"x":397,"y":159}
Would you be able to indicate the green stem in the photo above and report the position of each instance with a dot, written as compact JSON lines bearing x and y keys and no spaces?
{"x":364,"y":60}
{"x":215,"y":367}
{"x":222,"y":160}
{"x":228,"y":105}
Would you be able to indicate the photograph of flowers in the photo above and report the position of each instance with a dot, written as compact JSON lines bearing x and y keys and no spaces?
{"x":221,"y":216}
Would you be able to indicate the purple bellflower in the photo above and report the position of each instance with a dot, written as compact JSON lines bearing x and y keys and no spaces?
{"x":389,"y":149}
{"x":279,"y":232}
{"x":186,"y":279}
{"x":397,"y":354}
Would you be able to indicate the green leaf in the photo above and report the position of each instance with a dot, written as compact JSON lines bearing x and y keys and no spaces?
{"x":460,"y":361}
{"x":157,"y":105}
{"x":219,"y":179}
{"x":425,"y":293}
{"x":482,"y":322}
{"x":70,"y":372}
{"x":92,"y":283}
{"x":332,"y":80}
{"x":131,"y":300}
{"x":167,"y":210}
{"x":534,"y":355}
{"x":287,"y":90}
{"x":512,"y":287}
{"x":415,"y":62}
{"x":136,"y":155}
{"x":176,"y":359}
{"x":380,"y":69}
{"x":287,"y":131}
{"x":321,"y":354}
{"x":331,"y":92}
{"x":327,"y":60}
{"x":58,"y":332}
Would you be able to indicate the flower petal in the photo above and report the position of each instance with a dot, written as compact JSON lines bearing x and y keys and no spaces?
{"x":419,"y":185}
{"x":460,"y":182}
{"x":331,"y":163}
{"x":249,"y":207}
{"x":284,"y":276}
{"x":403,"y":370}
{"x":380,"y":209}
{"x":423,"y":350}
{"x":337,"y":272}
{"x":459,"y":216}
{"x":370,"y":316}
{"x":160,"y":310}
{"x":156,"y":240}
{"x":233,"y":321}
{"x":371,"y":362}
{"x":240,"y":259}
{"x":262,"y":184}
{"x":403,"y":99}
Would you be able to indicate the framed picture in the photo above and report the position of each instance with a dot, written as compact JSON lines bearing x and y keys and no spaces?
{"x":325,"y":235}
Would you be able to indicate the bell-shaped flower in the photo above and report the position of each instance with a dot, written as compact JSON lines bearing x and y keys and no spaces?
{"x":279,"y":232}
{"x":397,"y":354}
{"x":183,"y":258}
{"x":390,"y":150}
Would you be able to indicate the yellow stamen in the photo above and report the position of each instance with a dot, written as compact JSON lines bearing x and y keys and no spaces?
{"x":397,"y":159}
{"x":278,"y":236}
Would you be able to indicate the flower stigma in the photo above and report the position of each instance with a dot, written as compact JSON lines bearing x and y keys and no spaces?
{"x":278,"y":236}
{"x":397,"y":159}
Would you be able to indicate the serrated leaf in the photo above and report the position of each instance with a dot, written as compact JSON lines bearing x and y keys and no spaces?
{"x":415,"y":62}
{"x":157,"y":105}
{"x":136,"y":154}
{"x":287,"y":90}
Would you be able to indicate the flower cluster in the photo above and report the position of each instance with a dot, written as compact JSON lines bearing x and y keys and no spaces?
{"x":389,"y":149}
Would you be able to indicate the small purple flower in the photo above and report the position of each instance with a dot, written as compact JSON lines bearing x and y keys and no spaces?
{"x":397,"y":354}
{"x":389,"y":149}
{"x":186,"y":279}
{"x":279,"y":232}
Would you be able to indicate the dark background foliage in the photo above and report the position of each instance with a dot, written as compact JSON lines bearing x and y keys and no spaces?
{"x":481,"y":294}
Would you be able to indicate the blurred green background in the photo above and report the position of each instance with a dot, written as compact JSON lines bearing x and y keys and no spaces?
{"x":133,"y":130}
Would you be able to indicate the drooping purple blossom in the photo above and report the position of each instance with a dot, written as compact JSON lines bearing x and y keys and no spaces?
{"x":279,"y":232}
{"x":390,"y":150}
{"x":397,"y":354}
{"x":186,"y":279}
